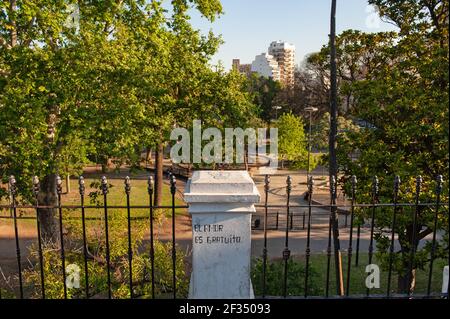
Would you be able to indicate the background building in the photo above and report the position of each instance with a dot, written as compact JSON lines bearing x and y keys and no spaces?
{"x":278,"y":63}
{"x":265,"y":65}
{"x":284,"y":54}
{"x":242,"y":68}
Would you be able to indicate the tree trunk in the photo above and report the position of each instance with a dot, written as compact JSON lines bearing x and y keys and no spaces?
{"x":148,"y":157}
{"x":406,"y":282}
{"x":47,"y":216}
{"x":12,"y":8}
{"x":159,"y":174}
{"x":105,"y":164}
{"x":68,"y":183}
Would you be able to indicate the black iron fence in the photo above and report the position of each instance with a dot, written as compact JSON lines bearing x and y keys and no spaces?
{"x":366,"y":221}
{"x":82,"y":207}
{"x":288,"y":218}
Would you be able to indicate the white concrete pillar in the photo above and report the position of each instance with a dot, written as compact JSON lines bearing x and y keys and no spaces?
{"x":221,"y":204}
{"x":445,"y":280}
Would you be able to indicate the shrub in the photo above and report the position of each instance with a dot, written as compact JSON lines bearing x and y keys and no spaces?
{"x":119,"y":270}
{"x":275,"y":277}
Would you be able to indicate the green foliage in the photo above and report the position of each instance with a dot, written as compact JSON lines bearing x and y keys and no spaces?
{"x":292,"y":143}
{"x":396,"y":83}
{"x":301,"y":162}
{"x":404,"y":98}
{"x":321,"y":131}
{"x":295,"y":279}
{"x":118,"y":240}
{"x":416,"y":16}
{"x":264,"y":91}
{"x":357,"y":54}
{"x":107,"y":89}
{"x":291,"y":137}
{"x":7,"y":294}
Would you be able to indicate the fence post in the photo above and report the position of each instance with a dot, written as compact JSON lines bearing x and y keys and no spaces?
{"x":130,"y":250}
{"x":286,"y":251}
{"x":13,"y":192}
{"x":304,"y":219}
{"x":276,"y":222}
{"x":397,"y":182}
{"x":150,"y":188}
{"x":61,"y":233}
{"x":291,"y":226}
{"x":375,"y":190}
{"x":439,"y":181}
{"x":350,"y":239}
{"x":36,"y":190}
{"x":221,"y":204}
{"x":266,"y":198}
{"x":82,"y":189}
{"x":104,"y":187}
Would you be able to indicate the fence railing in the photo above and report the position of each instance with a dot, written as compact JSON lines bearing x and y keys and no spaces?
{"x":290,"y":217}
{"x":374,"y":206}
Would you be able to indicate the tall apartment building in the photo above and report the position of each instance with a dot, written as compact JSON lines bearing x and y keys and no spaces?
{"x":241,"y":68}
{"x":265,"y":65}
{"x":284,"y":55}
{"x":235,"y":64}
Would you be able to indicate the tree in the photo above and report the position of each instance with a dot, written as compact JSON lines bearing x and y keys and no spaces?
{"x":180,"y":86}
{"x":39,"y":115}
{"x":357,"y":56}
{"x":321,"y":130}
{"x":292,"y":143}
{"x":62,"y":86}
{"x":265,"y":91}
{"x":404,"y":101}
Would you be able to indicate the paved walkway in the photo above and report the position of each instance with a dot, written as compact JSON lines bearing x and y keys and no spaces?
{"x":297,"y":237}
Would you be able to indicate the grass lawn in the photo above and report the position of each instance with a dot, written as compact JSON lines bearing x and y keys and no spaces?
{"x":358,"y":276}
{"x":318,"y":262}
{"x":116,"y":197}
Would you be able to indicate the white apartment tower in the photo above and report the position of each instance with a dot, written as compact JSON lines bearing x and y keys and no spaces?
{"x":266,"y":65}
{"x":284,"y":55}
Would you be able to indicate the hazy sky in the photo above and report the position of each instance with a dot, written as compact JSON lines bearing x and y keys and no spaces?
{"x":248,"y":26}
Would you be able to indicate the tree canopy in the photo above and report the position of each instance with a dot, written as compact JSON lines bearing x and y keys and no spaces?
{"x":116,"y":79}
{"x":403,"y":99}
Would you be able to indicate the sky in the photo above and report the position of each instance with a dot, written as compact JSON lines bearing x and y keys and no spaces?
{"x":248,"y":26}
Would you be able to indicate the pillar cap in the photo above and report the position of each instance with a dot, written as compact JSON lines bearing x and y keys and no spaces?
{"x":221,"y":187}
